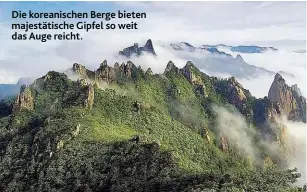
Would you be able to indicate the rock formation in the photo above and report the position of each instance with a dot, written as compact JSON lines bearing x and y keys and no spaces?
{"x":170,"y":67}
{"x":289,"y":99}
{"x":81,"y":71}
{"x":205,"y":134}
{"x":149,"y":71}
{"x":135,"y":49}
{"x":105,"y":73}
{"x":237,"y":92}
{"x":223,"y":144}
{"x":89,"y":101}
{"x":129,"y":68}
{"x":189,"y":71}
{"x":24,"y":100}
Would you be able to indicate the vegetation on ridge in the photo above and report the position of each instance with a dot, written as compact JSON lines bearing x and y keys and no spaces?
{"x":142,"y":132}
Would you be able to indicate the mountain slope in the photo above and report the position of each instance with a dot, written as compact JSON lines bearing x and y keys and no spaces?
{"x":122,"y":129}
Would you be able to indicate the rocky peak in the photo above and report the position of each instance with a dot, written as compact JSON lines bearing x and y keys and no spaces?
{"x":239,"y":58}
{"x":135,"y":49}
{"x":190,"y":65}
{"x":290,"y":100}
{"x":104,"y":64}
{"x":189,"y":72}
{"x":116,"y":66}
{"x":149,"y":72}
{"x":192,"y":74}
{"x":237,"y":92}
{"x":79,"y":69}
{"x":24,"y":100}
{"x":171,"y":67}
{"x":129,"y":68}
{"x":105,"y":73}
{"x":281,"y":93}
{"x":149,"y":47}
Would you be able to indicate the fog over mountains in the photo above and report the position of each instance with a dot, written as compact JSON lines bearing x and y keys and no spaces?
{"x":253,"y":66}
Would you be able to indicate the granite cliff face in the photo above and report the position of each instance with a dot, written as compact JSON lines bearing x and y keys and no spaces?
{"x":24,"y":100}
{"x":289,"y":99}
{"x":137,"y":50}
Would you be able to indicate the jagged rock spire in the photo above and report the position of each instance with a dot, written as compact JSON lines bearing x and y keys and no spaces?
{"x":288,"y":98}
{"x":149,"y":47}
{"x":280,"y":92}
{"x":171,"y":67}
{"x":135,"y":49}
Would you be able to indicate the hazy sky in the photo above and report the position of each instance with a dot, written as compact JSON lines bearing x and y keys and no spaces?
{"x":279,"y":24}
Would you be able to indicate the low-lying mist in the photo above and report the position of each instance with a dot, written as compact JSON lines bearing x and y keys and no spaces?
{"x":36,"y":62}
{"x":240,"y":135}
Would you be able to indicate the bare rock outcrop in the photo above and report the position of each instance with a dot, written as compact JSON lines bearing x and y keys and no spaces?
{"x":205,"y":134}
{"x":237,"y":95}
{"x":105,"y":73}
{"x":170,"y":67}
{"x":81,"y":71}
{"x":137,"y":50}
{"x":90,"y":93}
{"x":149,"y":72}
{"x":24,"y":100}
{"x":189,"y":71}
{"x":289,"y":99}
{"x":223,"y":144}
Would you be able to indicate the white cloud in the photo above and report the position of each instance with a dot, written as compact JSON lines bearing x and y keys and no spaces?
{"x":195,"y":22}
{"x":232,"y":125}
{"x":292,"y":66}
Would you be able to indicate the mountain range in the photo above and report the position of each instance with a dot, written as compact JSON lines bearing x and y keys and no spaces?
{"x":243,"y":48}
{"x":211,"y":60}
{"x":124,"y":128}
{"x":208,"y":58}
